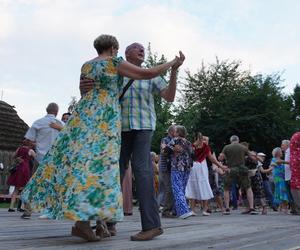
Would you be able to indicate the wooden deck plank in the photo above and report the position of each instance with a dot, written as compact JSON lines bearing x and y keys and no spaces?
{"x":273,"y":231}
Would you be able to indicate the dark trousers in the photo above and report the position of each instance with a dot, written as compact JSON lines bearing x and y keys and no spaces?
{"x":269,"y":192}
{"x":234,"y":195}
{"x":135,"y":146}
{"x":168,"y":192}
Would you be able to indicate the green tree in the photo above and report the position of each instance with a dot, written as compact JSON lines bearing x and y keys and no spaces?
{"x":162,"y":108}
{"x":296,"y":99}
{"x":221,"y":100}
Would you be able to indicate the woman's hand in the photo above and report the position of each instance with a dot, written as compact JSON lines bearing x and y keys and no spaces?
{"x":56,"y":126}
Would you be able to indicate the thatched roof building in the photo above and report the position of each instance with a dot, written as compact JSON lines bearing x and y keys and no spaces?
{"x":12,"y":128}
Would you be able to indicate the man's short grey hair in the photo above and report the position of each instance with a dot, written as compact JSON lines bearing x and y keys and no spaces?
{"x":171,"y":128}
{"x":52,"y":108}
{"x":234,"y":138}
{"x":285,"y":142}
{"x":275,"y":151}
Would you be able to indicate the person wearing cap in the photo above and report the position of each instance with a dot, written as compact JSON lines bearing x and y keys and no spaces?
{"x":138,"y":125}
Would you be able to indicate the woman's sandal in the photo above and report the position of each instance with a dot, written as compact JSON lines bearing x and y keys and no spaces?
{"x":102,"y":230}
{"x":84,"y":231}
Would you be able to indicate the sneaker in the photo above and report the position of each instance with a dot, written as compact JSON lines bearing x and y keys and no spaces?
{"x":226,"y":212}
{"x":127,"y":214}
{"x":186,"y":215}
{"x":11,"y":210}
{"x":193,"y":213}
{"x":25,"y":216}
{"x":253,"y":211}
{"x":147,"y":235}
{"x":204,"y":213}
{"x":21,"y":210}
{"x":43,"y":217}
{"x":168,"y":215}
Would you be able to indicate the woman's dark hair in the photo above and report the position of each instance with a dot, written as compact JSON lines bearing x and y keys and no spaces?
{"x":105,"y":42}
{"x":66,"y":114}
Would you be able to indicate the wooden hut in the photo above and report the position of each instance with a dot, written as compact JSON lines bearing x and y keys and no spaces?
{"x":12,"y":131}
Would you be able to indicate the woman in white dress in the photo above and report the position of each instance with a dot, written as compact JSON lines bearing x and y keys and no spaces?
{"x":198,"y":187}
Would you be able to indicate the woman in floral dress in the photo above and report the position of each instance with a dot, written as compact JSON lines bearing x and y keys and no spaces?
{"x":78,"y":178}
{"x":281,"y":194}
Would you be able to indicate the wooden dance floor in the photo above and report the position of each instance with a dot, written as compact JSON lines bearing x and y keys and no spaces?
{"x":236,"y":231}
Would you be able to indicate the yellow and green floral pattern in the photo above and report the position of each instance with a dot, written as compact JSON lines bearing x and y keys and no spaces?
{"x":78,"y":178}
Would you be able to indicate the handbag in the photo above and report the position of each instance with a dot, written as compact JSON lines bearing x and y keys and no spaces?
{"x":14,"y":166}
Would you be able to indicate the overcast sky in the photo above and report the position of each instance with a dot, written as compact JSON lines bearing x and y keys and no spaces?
{"x":43,"y":43}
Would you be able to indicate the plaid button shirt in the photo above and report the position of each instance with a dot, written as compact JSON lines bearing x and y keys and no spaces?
{"x":138,"y":111}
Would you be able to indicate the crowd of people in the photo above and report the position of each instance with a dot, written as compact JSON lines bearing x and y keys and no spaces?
{"x":86,"y":163}
{"x":79,"y":173}
{"x":191,"y":176}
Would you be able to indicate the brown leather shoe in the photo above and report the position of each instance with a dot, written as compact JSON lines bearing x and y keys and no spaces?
{"x":147,"y":235}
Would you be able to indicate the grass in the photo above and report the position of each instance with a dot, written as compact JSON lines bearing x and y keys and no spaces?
{"x":4,"y":205}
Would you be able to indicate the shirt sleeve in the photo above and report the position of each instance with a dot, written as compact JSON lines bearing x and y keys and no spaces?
{"x":31,"y":133}
{"x":224,"y":150}
{"x":159,"y":83}
{"x":287,"y":156}
{"x":117,"y":60}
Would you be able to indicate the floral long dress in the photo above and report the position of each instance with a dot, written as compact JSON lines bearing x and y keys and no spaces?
{"x":281,"y":192}
{"x":79,"y":179}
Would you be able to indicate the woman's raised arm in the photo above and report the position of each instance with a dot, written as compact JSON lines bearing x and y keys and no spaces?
{"x":132,"y":71}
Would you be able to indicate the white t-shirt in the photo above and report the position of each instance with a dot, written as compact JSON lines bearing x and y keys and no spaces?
{"x":43,"y":135}
{"x":287,"y":170}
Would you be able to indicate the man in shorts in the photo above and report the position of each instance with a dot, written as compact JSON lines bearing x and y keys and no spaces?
{"x":234,"y":154}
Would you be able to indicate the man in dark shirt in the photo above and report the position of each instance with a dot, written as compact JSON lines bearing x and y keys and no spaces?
{"x":234,"y":154}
